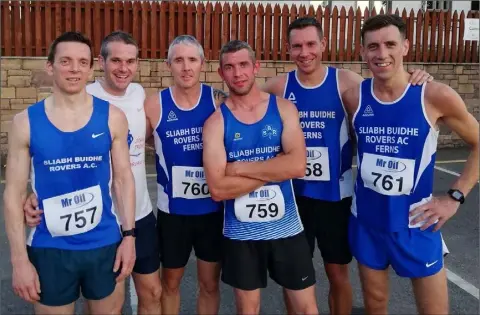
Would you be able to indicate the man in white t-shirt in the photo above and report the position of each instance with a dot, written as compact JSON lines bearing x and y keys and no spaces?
{"x":119,"y":61}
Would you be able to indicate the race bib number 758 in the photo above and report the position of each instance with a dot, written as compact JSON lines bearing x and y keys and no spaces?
{"x":388,"y":175}
{"x":73,"y":213}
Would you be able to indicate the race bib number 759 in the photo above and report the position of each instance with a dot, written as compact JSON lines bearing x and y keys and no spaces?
{"x":261,"y":205}
{"x":388,"y":175}
{"x":73,"y":213}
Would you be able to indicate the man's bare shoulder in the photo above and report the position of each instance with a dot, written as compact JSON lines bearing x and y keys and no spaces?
{"x":349,"y":79}
{"x":214,"y":121}
{"x":442,"y":98}
{"x":276,"y":85}
{"x":286,"y":108}
{"x":151,"y":101}
{"x":20,"y":128}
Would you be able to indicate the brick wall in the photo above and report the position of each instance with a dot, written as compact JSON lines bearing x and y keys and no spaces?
{"x":23,"y":82}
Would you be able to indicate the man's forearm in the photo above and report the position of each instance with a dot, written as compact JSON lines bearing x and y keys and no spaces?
{"x":124,"y":188}
{"x":470,"y":173}
{"x":277,"y":169}
{"x":15,"y":226}
{"x":231,"y":187}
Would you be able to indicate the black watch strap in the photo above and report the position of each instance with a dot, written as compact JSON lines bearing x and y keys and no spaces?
{"x":131,"y":232}
{"x":456,"y":195}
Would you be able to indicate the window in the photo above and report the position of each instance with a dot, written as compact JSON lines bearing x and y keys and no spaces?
{"x":475,"y":5}
{"x":438,"y":5}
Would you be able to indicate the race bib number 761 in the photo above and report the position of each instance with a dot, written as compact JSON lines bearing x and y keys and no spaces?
{"x":388,"y":175}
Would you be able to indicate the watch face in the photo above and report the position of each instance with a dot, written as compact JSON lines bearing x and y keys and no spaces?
{"x":456,"y":195}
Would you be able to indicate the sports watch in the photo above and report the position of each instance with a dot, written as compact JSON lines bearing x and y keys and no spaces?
{"x":456,"y":195}
{"x":131,"y":232}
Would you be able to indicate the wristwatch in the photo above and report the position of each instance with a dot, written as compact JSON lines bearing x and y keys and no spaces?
{"x":131,"y":232}
{"x":456,"y":195}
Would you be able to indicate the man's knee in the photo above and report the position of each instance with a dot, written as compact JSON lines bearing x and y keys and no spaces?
{"x":210,"y":286}
{"x":171,"y":281}
{"x":151,"y":293}
{"x":337,"y":274}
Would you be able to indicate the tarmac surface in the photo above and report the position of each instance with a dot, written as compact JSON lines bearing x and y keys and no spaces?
{"x":460,"y":234}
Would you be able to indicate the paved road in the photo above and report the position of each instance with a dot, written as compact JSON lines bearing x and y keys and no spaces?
{"x":460,"y":234}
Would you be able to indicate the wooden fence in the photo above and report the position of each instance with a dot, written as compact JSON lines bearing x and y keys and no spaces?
{"x":28,"y":28}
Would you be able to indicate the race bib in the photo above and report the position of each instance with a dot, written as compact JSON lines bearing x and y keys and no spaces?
{"x":387,"y":175}
{"x":318,"y":167}
{"x":262,"y":205}
{"x":74,"y":213}
{"x":189,"y":182}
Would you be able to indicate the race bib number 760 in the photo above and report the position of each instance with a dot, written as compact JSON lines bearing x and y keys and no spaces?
{"x":388,"y":175}
{"x":73,"y":213}
{"x":189,"y":182}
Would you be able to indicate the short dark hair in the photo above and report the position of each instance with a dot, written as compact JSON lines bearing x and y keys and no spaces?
{"x":117,"y":36}
{"x":383,"y":20}
{"x":304,"y":22}
{"x":234,"y":46}
{"x":75,"y":37}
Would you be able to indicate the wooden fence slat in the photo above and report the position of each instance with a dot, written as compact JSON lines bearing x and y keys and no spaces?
{"x":146,"y":10}
{"x":107,"y":13}
{"x":251,"y":25}
{"x":259,"y":33}
{"x":358,"y":25}
{"x":97,"y":31}
{"x":426,"y":27}
{"x":191,"y":19}
{"x":38,"y":29}
{"x":333,"y":39}
{"x":433,"y":30}
{"x":127,"y":17}
{"x":48,"y":23}
{"x":164,"y":29}
{"x":58,"y":18}
{"x":283,"y":43}
{"x":441,"y":26}
{"x":153,"y":31}
{"x":242,"y":31}
{"x":217,"y":30}
{"x":411,"y":29}
{"x":448,"y":28}
{"x":454,"y":36}
{"x":276,"y":32}
{"x":28,"y":31}
{"x":116,"y":15}
{"x":461,"y":42}
{"x":225,"y":24}
{"x":68,"y":16}
{"x":326,"y":28}
{"x":208,"y":31}
{"x":7,"y":29}
{"x":235,"y":21}
{"x":199,"y":30}
{"x":341,"y":44}
{"x":418,"y":36}
{"x":268,"y":33}
{"x":350,"y":34}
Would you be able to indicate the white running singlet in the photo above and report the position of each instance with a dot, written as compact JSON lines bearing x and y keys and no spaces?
{"x":132,"y":105}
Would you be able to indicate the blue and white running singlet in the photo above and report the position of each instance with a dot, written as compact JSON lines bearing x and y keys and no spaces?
{"x":269,"y":212}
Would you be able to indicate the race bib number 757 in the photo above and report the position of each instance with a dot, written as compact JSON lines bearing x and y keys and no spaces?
{"x":388,"y":175}
{"x":73,"y":213}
